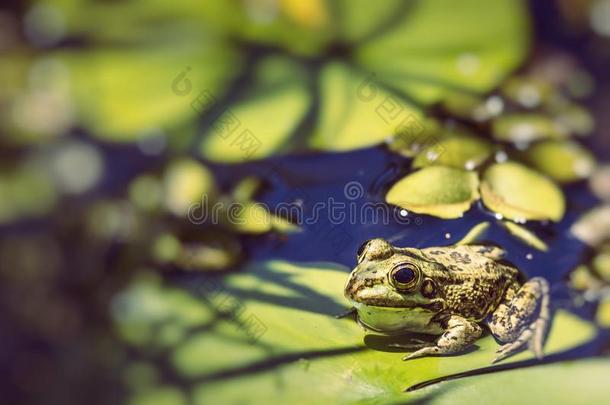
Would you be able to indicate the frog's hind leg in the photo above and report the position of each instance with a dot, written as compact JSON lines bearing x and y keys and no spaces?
{"x":522,"y":318}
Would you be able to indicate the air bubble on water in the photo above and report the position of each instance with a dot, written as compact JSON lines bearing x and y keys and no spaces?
{"x":499,"y":216}
{"x":529,"y":256}
{"x":404,"y":213}
{"x":501,"y":156}
{"x":447,"y":235}
{"x":494,"y":105}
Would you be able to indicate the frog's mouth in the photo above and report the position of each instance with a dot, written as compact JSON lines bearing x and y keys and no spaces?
{"x":396,"y":321}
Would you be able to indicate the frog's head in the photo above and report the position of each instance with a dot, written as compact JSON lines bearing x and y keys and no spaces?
{"x":393,"y":289}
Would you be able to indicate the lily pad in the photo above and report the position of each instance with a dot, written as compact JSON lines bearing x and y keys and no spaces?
{"x":436,"y":190}
{"x":474,"y":234}
{"x":518,"y":193}
{"x":276,"y":319}
{"x":458,"y":151}
{"x":564,"y":161}
{"x":526,"y":236}
{"x":593,"y":228}
{"x":525,"y":128}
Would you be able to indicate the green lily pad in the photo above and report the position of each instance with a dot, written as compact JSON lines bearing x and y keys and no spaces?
{"x":525,"y":128}
{"x":603,"y":313}
{"x":125,"y":94}
{"x":186,"y":183}
{"x":518,"y":193}
{"x":263,"y":121}
{"x":474,"y":234}
{"x":437,"y":49}
{"x":356,"y":111}
{"x":458,"y":151}
{"x":276,"y":319}
{"x":564,"y":161}
{"x":436,"y":190}
{"x":555,"y":383}
{"x":593,"y":228}
{"x":526,"y":236}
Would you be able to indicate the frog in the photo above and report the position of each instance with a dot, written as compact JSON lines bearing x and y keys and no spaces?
{"x":451,"y":293}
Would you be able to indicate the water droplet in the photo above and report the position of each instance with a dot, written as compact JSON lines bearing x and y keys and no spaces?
{"x":447,"y":235}
{"x":499,"y":216}
{"x":494,"y":105}
{"x":529,"y":256}
{"x":404,"y":213}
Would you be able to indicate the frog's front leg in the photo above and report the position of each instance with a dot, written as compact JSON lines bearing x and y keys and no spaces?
{"x":460,"y":333}
{"x":522,"y":319}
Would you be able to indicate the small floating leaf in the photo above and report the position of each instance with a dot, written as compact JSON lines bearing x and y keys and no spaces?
{"x":593,"y":228}
{"x":459,"y":151}
{"x":529,"y":92}
{"x":600,"y":183}
{"x":439,"y":191}
{"x":526,"y":128}
{"x":519,"y":193}
{"x":601,"y":264}
{"x":581,"y":279}
{"x":564,"y":161}
{"x":603,"y":313}
{"x":474,"y":234}
{"x":253,"y":217}
{"x":187,"y":182}
{"x":576,"y":119}
{"x":526,"y":236}
{"x":410,"y":143}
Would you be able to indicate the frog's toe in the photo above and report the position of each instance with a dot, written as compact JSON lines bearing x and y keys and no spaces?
{"x":426,"y":351}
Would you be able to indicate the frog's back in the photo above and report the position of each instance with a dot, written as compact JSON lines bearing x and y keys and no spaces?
{"x":473,"y":281}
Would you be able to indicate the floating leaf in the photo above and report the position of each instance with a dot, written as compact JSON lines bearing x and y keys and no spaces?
{"x":576,"y":119}
{"x":600,"y":182}
{"x":262,"y":122}
{"x":519,"y":193}
{"x":593,"y":228}
{"x":458,"y":151}
{"x":474,"y":234}
{"x":437,"y":49}
{"x":564,"y":161}
{"x":356,"y":111}
{"x":269,"y":305}
{"x":529,"y":92}
{"x":439,"y":191}
{"x":525,"y":235}
{"x":253,"y":217}
{"x":554,"y":383}
{"x":409,"y":143}
{"x":187,"y":182}
{"x":601,"y":264}
{"x":603,"y":313}
{"x":124,"y":94}
{"x":582,"y":279}
{"x":525,"y":128}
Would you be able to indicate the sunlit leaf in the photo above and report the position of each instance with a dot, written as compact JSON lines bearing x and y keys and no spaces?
{"x":519,"y":193}
{"x":439,"y":191}
{"x":187,"y":182}
{"x":525,"y":128}
{"x":125,"y":94}
{"x":554,"y":383}
{"x":278,"y":325}
{"x":264,"y":120}
{"x":474,"y":234}
{"x":356,"y":111}
{"x":457,"y":151}
{"x":593,"y":228}
{"x":526,"y":236}
{"x":439,"y":48}
{"x":564,"y":161}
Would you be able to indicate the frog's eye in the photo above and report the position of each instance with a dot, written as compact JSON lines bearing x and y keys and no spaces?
{"x":404,"y":276}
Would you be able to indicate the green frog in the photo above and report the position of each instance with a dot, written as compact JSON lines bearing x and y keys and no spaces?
{"x":448,"y":291}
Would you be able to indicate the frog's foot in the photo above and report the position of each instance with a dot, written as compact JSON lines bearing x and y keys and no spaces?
{"x":512,"y":322}
{"x":460,"y":334}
